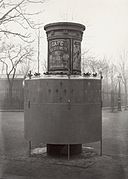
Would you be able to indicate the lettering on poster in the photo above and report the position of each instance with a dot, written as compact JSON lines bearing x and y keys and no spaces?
{"x":59,"y":54}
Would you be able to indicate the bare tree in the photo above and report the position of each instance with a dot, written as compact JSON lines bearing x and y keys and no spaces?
{"x":1,"y":70}
{"x":44,"y":65}
{"x":12,"y":57}
{"x":123,"y":70}
{"x":18,"y":13}
{"x":109,"y":72}
{"x":94,"y":64}
{"x":29,"y":65}
{"x":88,"y":61}
{"x":113,"y":77}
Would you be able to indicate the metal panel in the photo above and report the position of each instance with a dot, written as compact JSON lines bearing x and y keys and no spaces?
{"x":61,"y":90}
{"x":59,"y":111}
{"x":57,"y":124}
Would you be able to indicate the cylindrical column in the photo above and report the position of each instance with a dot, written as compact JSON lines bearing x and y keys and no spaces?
{"x":64,"y":57}
{"x":64,"y":47}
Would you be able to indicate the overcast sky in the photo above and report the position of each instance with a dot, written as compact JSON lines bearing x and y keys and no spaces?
{"x":106,"y":22}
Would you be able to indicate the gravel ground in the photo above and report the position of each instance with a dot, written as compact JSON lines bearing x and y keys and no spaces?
{"x":15,"y":162}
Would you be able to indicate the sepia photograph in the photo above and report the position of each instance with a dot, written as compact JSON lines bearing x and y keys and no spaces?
{"x":63,"y":89}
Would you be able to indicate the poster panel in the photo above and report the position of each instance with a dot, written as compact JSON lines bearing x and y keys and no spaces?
{"x":59,"y":54}
{"x":76,"y":55}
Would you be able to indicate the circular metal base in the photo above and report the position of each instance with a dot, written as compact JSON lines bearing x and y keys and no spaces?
{"x":62,"y":150}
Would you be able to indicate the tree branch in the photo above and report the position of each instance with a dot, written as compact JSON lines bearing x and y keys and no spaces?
{"x":8,"y":12}
{"x":5,"y":65}
{"x":36,"y":2}
{"x":10,"y":18}
{"x":27,"y":21}
{"x":14,"y":33}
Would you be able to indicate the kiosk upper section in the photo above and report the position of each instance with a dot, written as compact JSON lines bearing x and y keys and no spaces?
{"x":64,"y":47}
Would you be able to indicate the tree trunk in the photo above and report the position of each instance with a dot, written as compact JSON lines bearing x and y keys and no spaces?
{"x":112,"y":100}
{"x":112,"y":91}
{"x":10,"y":94}
{"x":125,"y":96}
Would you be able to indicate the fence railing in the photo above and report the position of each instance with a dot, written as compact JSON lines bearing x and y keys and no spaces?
{"x":16,"y":102}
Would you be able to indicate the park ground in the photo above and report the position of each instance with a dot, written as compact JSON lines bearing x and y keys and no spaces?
{"x":15,"y":162}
